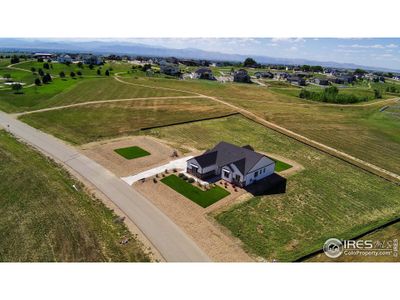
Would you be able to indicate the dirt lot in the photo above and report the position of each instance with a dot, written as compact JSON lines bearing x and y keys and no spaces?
{"x":194,"y":220}
{"x":103,"y":153}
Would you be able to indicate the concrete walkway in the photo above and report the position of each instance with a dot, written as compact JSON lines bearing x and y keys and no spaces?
{"x":173,"y":244}
{"x":179,"y":164}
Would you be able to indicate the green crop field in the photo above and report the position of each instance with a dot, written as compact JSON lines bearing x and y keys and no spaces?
{"x":329,"y":198}
{"x":89,"y":123}
{"x":202,"y":198}
{"x":132,"y":152}
{"x":44,"y":219}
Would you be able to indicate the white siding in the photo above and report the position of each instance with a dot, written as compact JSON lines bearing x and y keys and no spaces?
{"x":201,"y":170}
{"x":262,"y":172}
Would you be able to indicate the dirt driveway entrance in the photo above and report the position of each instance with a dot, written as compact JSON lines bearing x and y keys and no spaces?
{"x":103,"y":153}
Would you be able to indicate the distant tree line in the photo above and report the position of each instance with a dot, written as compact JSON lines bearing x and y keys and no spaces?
{"x":331,"y":95}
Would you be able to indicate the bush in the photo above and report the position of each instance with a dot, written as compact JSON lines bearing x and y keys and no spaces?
{"x":184,"y":177}
{"x":154,"y":180}
{"x":191,"y":180}
{"x":181,"y":175}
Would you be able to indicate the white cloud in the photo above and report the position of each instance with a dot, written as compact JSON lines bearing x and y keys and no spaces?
{"x":288,"y":40}
{"x":375,"y":46}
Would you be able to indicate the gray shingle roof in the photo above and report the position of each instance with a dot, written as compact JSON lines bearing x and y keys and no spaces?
{"x":225,"y":153}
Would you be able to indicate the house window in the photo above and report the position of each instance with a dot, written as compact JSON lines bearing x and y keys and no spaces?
{"x":256,"y":174}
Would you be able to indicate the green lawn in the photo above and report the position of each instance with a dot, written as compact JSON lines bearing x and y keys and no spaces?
{"x":132,"y":152}
{"x":329,"y":198}
{"x":89,"y":123}
{"x":44,"y":219}
{"x":202,"y":198}
{"x":281,"y":166}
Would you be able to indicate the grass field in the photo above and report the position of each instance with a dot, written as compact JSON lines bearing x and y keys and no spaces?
{"x":329,"y":198}
{"x":89,"y":123}
{"x":386,"y":234}
{"x":202,"y":198}
{"x":132,"y":152}
{"x":70,"y":91}
{"x":35,"y":97}
{"x":352,"y":129}
{"x":44,"y":219}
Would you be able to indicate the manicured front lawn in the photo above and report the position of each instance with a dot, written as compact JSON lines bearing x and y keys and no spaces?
{"x":202,"y":198}
{"x":132,"y":152}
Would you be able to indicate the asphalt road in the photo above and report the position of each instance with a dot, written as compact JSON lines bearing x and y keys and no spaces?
{"x":173,"y":244}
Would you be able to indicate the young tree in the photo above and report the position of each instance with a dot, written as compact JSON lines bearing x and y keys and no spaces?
{"x":46,"y":78}
{"x":68,"y":63}
{"x":62,"y":74}
{"x":41,"y":73}
{"x":46,"y":66}
{"x":79,"y":73}
{"x":33,"y":69}
{"x":14,"y":59}
{"x":91,"y":67}
{"x":80,"y":65}
{"x":98,"y":72}
{"x":249,"y":62}
{"x":40,"y":59}
{"x":38,"y":82}
{"x":72,"y":74}
{"x":107,"y":73}
{"x":17,"y":87}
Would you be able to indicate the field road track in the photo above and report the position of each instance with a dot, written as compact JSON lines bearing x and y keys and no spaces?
{"x":173,"y":244}
{"x":393,"y":177}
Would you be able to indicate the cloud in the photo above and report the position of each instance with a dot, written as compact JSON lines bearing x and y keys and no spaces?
{"x":288,"y":40}
{"x":375,"y":46}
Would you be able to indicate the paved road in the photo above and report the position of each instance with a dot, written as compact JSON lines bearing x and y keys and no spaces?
{"x":173,"y":244}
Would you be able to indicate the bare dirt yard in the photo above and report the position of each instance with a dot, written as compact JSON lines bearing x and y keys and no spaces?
{"x":216,"y":242}
{"x":103,"y":153}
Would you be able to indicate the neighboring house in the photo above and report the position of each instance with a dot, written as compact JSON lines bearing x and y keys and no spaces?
{"x":43,"y":55}
{"x":321,"y":81}
{"x":346,"y":79}
{"x":204,"y":73}
{"x":241,"y":76}
{"x":169,"y":68}
{"x":92,"y":59}
{"x":281,"y":75}
{"x":264,"y":75}
{"x":241,"y":166}
{"x":64,"y":58}
{"x":297,"y":80}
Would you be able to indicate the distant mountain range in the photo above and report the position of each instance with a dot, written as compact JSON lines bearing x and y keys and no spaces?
{"x":128,"y":48}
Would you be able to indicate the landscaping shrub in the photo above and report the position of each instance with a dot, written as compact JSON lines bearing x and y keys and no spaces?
{"x":154,"y":180}
{"x":191,"y":180}
{"x":181,"y":175}
{"x":184,"y":177}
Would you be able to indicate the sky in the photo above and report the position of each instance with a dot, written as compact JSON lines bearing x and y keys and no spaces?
{"x":374,"y":52}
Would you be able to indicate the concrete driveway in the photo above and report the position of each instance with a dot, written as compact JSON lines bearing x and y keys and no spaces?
{"x":179,"y":164}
